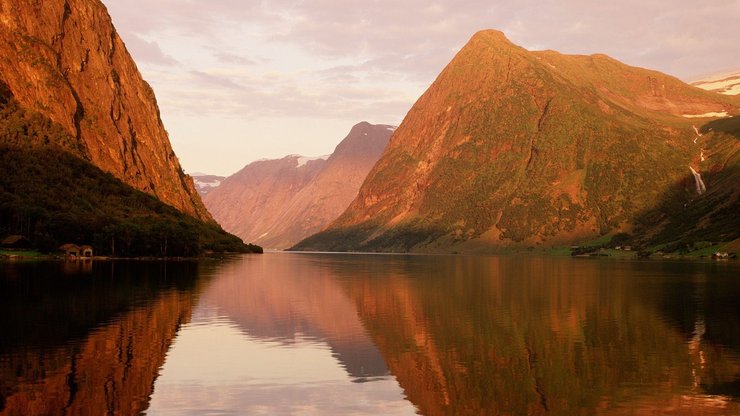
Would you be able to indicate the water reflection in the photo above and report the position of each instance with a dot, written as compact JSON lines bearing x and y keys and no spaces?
{"x":282,"y":338}
{"x":371,"y":334}
{"x":88,"y":339}
{"x":505,"y":335}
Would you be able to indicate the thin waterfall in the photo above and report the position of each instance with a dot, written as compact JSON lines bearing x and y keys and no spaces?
{"x":700,"y":187}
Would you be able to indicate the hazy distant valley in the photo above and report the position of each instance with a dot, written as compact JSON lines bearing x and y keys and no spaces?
{"x":277,"y":203}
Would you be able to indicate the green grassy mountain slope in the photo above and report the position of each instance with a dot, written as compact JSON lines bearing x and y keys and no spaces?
{"x":51,"y":195}
{"x":512,"y":148}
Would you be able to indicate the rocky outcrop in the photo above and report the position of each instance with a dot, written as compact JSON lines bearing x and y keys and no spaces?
{"x":276,"y":203}
{"x":64,"y":59}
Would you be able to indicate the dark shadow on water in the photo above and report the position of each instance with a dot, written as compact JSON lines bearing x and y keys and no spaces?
{"x":76,"y":337}
{"x":726,"y":389}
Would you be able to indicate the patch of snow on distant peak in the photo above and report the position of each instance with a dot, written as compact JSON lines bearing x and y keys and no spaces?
{"x":707,"y":115}
{"x":213,"y":184}
{"x":302,"y":160}
{"x":727,"y":83}
{"x":391,"y":128}
{"x":717,"y":77}
{"x":733,"y":90}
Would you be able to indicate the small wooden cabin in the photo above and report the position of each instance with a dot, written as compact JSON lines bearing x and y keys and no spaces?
{"x":70,"y":250}
{"x":86,"y":251}
{"x":16,"y":242}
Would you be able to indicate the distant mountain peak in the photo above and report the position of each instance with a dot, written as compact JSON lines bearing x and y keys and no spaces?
{"x":279,"y":202}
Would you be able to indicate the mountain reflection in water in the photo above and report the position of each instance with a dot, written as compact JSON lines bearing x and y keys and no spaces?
{"x":371,"y":334}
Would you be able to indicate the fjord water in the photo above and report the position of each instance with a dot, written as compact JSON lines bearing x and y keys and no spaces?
{"x":370,"y":334}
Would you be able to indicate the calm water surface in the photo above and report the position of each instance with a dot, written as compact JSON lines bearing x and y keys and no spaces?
{"x":370,"y":334}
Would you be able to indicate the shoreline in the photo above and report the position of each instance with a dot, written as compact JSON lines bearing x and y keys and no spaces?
{"x":10,"y":257}
{"x":561,"y":252}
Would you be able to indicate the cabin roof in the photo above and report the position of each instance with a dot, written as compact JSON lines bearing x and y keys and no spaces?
{"x":12,"y":239}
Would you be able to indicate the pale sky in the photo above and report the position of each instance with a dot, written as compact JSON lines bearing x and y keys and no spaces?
{"x":241,"y":80}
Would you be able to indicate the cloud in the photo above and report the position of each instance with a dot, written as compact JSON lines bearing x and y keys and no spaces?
{"x":230,"y":58}
{"x":333,"y":59}
{"x":387,"y":31}
{"x":148,"y":51}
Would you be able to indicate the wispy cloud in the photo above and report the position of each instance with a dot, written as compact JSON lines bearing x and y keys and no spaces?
{"x":149,"y":52}
{"x":371,"y":60}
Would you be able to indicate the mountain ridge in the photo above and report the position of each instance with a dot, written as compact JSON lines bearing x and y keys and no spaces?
{"x":276,"y":203}
{"x":515,"y":148}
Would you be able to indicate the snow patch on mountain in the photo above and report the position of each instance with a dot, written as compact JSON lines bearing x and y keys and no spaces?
{"x":205,"y":183}
{"x":728,"y":83}
{"x":707,"y":115}
{"x":302,"y":160}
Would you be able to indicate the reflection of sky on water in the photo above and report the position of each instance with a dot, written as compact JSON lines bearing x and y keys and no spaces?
{"x":214,"y":368}
{"x":272,"y":341}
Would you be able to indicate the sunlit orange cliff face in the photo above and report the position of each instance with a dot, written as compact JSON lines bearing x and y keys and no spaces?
{"x":65,"y":60}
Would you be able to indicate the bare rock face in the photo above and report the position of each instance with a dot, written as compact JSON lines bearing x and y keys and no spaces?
{"x":276,"y":203}
{"x":64,"y":59}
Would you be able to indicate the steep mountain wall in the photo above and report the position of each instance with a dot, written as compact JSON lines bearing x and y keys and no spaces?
{"x":64,"y":59}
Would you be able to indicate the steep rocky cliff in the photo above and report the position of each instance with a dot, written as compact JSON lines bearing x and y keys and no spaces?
{"x":276,"y":203}
{"x":516,"y":148}
{"x":64,"y":60}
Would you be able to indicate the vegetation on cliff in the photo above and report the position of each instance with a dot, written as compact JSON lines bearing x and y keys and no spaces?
{"x":52,"y":196}
{"x":510,"y":148}
{"x":64,"y":60}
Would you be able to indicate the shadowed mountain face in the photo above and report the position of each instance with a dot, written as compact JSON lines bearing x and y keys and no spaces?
{"x":276,"y":203}
{"x":64,"y":60}
{"x":516,"y":148}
